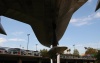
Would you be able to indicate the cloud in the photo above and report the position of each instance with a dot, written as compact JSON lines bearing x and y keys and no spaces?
{"x":3,"y":40}
{"x":17,"y":40}
{"x":17,"y":33}
{"x":85,"y":20}
{"x":97,"y":15}
{"x":90,"y":44}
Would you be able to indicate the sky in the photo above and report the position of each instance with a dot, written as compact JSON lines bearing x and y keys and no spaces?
{"x":82,"y":31}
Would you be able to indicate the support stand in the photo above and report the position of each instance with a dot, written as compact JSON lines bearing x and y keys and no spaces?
{"x":58,"y":58}
{"x":51,"y":60}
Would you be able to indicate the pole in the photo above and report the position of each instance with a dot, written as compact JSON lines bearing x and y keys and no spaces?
{"x":28,"y":41}
{"x":74,"y":46}
{"x":36,"y":47}
{"x":51,"y":60}
{"x":0,"y":19}
{"x":20,"y":50}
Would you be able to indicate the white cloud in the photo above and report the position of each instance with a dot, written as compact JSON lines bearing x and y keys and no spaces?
{"x":97,"y":15}
{"x":17,"y":33}
{"x":85,"y":20}
{"x":3,"y":40}
{"x":17,"y":40}
{"x":90,"y":44}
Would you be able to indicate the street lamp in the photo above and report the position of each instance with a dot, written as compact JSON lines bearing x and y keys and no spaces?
{"x":36,"y":47}
{"x":28,"y":41}
{"x":85,"y":47}
{"x":74,"y":46}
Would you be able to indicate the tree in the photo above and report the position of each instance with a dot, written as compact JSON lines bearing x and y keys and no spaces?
{"x":67,"y":51}
{"x":91,"y":51}
{"x":76,"y":52}
{"x":98,"y":56}
{"x":44,"y":52}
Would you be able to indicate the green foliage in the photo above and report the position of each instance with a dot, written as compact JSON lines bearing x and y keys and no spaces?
{"x":76,"y":52}
{"x":94,"y":52}
{"x":98,"y":56}
{"x":91,"y":51}
{"x":67,"y":51}
{"x":44,"y":52}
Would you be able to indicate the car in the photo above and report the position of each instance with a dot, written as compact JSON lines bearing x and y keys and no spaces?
{"x":16,"y":51}
{"x":28,"y":52}
{"x":36,"y":53}
{"x":3,"y":51}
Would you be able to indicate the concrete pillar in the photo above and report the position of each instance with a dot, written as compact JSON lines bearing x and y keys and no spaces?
{"x":58,"y":58}
{"x":19,"y":61}
{"x":51,"y":60}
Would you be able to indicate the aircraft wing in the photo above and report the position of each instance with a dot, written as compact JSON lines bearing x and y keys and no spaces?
{"x":2,"y":31}
{"x":98,"y":5}
{"x":40,"y":14}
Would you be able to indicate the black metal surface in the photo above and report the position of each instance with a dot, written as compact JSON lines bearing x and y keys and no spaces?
{"x":2,"y":31}
{"x":39,"y":14}
{"x":98,"y":5}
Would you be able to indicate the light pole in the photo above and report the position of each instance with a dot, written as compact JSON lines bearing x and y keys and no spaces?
{"x":74,"y":46}
{"x":36,"y":47}
{"x":28,"y":41}
{"x":20,"y":46}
